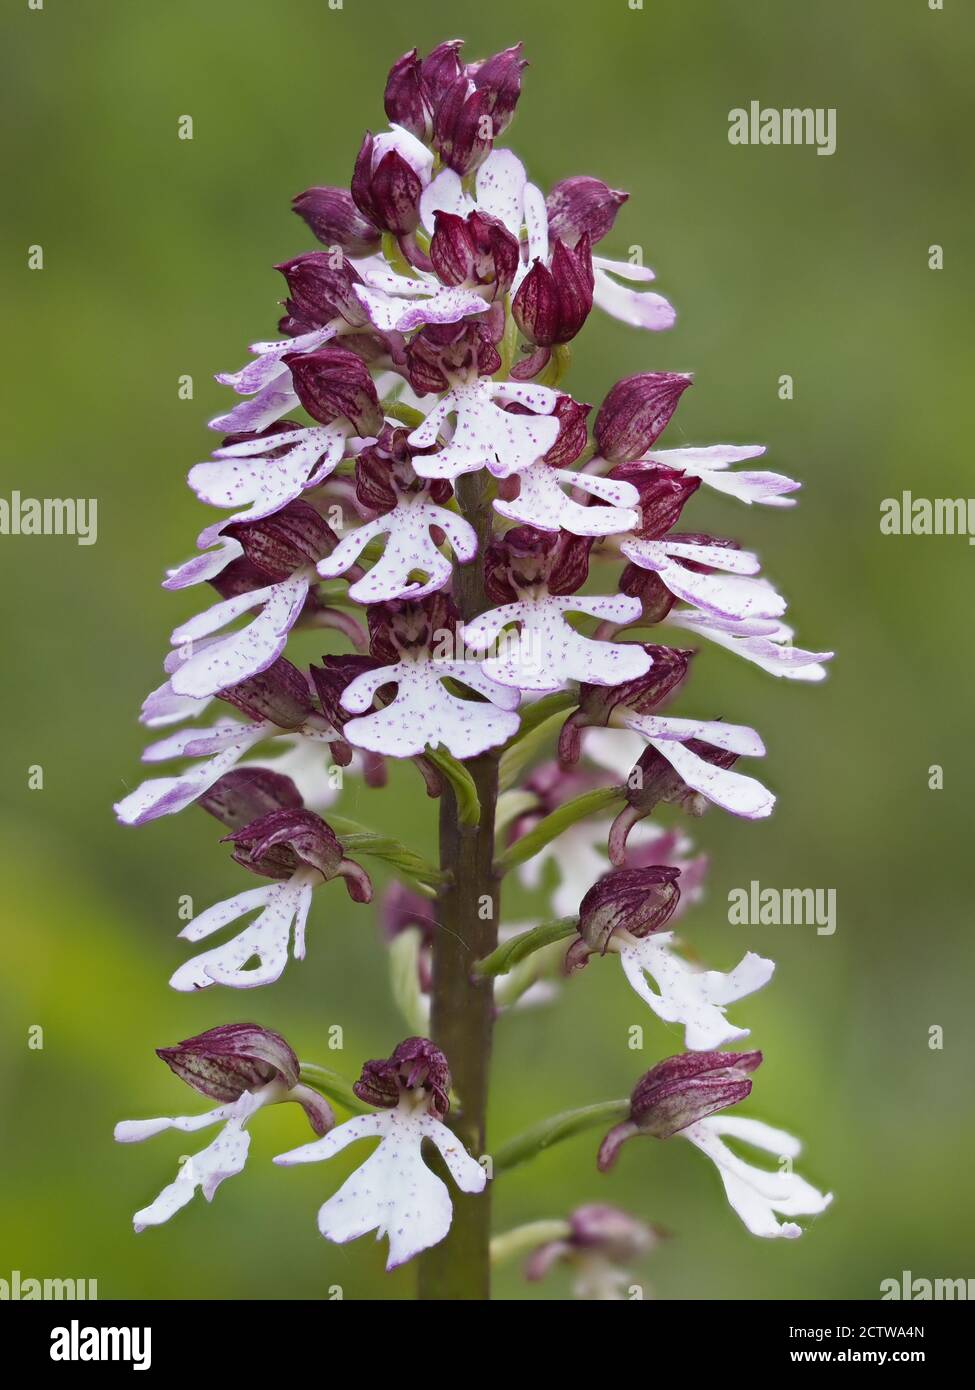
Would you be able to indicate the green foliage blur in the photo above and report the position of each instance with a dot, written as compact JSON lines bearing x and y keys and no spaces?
{"x":157,"y":263}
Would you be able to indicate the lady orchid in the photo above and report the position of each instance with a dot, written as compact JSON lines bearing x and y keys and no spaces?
{"x":407,"y":482}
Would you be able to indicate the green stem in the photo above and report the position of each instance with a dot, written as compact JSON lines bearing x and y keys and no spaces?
{"x":462,"y":1004}
{"x":555,"y":1128}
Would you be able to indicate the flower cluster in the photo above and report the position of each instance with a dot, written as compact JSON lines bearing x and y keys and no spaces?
{"x":404,"y":475}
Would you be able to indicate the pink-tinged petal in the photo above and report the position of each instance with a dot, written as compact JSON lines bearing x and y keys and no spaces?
{"x":426,"y":434}
{"x":358,"y":694}
{"x":407,"y":146}
{"x":688,"y":996}
{"x":536,"y":224}
{"x":222,"y":1159}
{"x":265,"y":485}
{"x":626,"y":270}
{"x":163,"y":796}
{"x":201,"y":568}
{"x":337,"y":1139}
{"x":472,"y":674}
{"x":769,"y":648}
{"x":163,"y":706}
{"x":709,"y":464}
{"x":221,"y":914}
{"x":732,"y":791}
{"x":734,"y":738}
{"x":484,"y":435}
{"x":262,"y":410}
{"x":409,"y":549}
{"x":196,"y":743}
{"x":640,"y":309}
{"x":136,"y":1131}
{"x":248,"y":651}
{"x":704,"y":458}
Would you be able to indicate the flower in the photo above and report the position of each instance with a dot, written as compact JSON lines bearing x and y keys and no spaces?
{"x":423,"y":712}
{"x":485,"y":435}
{"x":407,"y":515}
{"x":624,"y":913}
{"x":537,"y":569}
{"x":598,"y":1240}
{"x":680,"y":1096}
{"x":394,"y":1192}
{"x":688,"y":761}
{"x":275,"y":837}
{"x":246,"y":1068}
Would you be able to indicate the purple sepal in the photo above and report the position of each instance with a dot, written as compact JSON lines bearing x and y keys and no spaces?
{"x":473,"y":250}
{"x":678,"y":1092}
{"x":527,"y":562}
{"x":288,"y":540}
{"x":637,"y":901}
{"x":334,"y":219}
{"x":334,"y":383}
{"x":553,"y":303}
{"x":386,"y":189}
{"x":279,"y":844}
{"x":227,"y":1061}
{"x":415,"y":1062}
{"x":246,"y":793}
{"x":279,"y":693}
{"x":663,"y":496}
{"x":319,"y":291}
{"x":582,"y":206}
{"x":635,"y":413}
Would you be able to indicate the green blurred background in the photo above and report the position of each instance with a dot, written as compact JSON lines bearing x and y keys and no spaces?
{"x":158,"y":256}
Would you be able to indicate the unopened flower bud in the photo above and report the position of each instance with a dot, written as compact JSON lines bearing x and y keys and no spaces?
{"x":387,"y":182}
{"x":553,"y":303}
{"x":635,"y":413}
{"x":334,"y":219}
{"x":663,"y":496}
{"x":582,"y":206}
{"x":474,"y":250}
